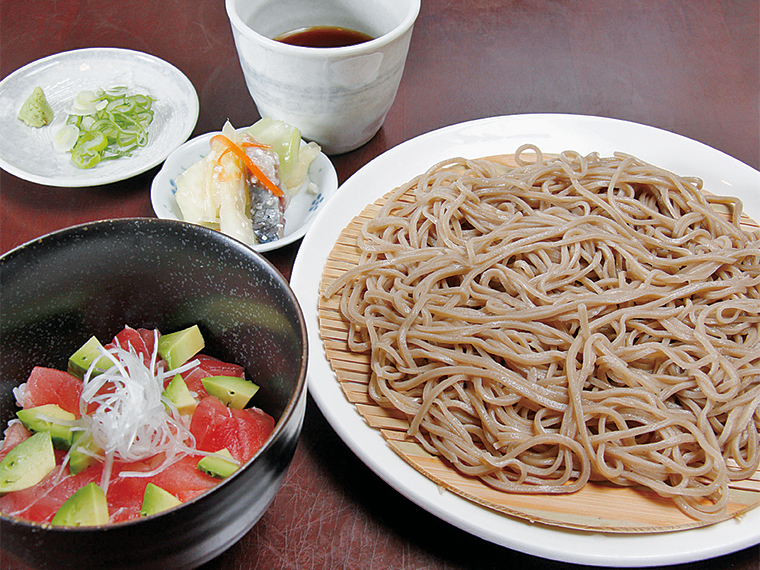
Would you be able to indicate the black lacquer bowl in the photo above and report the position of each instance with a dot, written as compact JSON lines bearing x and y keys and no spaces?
{"x":60,"y":289}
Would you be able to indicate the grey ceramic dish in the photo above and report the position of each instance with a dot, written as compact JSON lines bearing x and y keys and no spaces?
{"x":58,"y":290}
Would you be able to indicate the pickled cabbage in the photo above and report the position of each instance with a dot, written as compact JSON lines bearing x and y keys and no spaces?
{"x":221,"y":192}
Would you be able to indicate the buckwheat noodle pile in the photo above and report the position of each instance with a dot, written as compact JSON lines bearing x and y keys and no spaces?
{"x":573,"y":319}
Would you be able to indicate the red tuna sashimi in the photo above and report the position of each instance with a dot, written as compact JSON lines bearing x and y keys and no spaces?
{"x":124,"y":496}
{"x":242,"y":432}
{"x":41,"y":502}
{"x":216,"y":367}
{"x":214,"y":425}
{"x":14,"y":434}
{"x":142,"y":341}
{"x":49,"y":386}
{"x":182,"y":479}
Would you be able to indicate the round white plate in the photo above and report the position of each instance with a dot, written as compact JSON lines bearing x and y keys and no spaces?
{"x":552,"y":133}
{"x":28,"y":153}
{"x":301,"y":212}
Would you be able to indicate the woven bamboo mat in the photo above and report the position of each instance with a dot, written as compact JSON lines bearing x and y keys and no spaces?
{"x":597,"y":507}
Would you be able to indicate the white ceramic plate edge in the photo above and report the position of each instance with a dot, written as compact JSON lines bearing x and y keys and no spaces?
{"x":553,"y":133}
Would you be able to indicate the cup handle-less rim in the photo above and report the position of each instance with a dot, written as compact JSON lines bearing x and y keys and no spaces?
{"x":403,"y":27}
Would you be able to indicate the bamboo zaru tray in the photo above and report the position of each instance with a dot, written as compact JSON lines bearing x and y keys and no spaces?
{"x":598,"y":507}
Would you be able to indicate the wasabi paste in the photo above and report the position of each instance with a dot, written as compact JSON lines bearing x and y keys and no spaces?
{"x":36,"y":111}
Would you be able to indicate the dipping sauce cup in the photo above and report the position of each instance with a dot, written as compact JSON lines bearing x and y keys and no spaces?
{"x":336,"y":96}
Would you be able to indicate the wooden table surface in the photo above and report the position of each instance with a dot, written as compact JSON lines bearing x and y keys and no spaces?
{"x":688,"y":66}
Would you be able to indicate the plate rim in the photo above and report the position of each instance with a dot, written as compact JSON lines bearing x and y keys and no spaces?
{"x":191,"y":118}
{"x":163,"y":178}
{"x":593,"y":548}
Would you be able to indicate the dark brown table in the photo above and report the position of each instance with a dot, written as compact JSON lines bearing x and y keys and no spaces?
{"x":688,"y":66}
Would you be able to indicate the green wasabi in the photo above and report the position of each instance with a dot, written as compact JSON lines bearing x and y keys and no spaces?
{"x":36,"y":111}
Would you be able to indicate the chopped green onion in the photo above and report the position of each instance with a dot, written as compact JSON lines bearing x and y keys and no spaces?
{"x":110,"y":124}
{"x":84,"y":158}
{"x":92,"y":141}
{"x":65,"y":139}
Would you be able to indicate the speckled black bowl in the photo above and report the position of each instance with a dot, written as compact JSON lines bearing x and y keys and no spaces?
{"x":95,"y":278}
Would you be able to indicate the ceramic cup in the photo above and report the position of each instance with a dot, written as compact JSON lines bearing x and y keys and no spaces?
{"x":337,"y":97}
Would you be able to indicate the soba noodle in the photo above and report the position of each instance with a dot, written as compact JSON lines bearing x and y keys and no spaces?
{"x":574,"y":319}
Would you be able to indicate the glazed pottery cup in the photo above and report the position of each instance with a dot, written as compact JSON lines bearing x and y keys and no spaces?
{"x":336,"y":96}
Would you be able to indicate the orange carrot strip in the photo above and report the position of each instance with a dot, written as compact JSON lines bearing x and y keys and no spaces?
{"x":246,"y":144}
{"x":252,"y":168}
{"x":219,"y":159}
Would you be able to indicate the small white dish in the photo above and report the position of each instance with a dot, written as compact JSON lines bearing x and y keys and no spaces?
{"x":301,"y":211}
{"x":28,"y":152}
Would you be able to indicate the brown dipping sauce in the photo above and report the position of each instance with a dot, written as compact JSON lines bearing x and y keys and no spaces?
{"x":323,"y":37}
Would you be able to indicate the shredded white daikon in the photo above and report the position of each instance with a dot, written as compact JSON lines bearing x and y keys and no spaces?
{"x":19,"y":392}
{"x":124,"y":413}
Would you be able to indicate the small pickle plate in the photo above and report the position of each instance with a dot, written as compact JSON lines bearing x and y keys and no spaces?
{"x":301,"y":211}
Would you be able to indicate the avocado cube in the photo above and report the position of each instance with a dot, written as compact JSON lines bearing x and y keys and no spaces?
{"x":178,"y":347}
{"x":232,"y":391}
{"x":86,"y":507}
{"x":28,"y":463}
{"x":82,"y":359}
{"x":178,"y":393}
{"x":157,"y":500}
{"x":79,"y":459}
{"x":52,"y":419}
{"x":218,"y":466}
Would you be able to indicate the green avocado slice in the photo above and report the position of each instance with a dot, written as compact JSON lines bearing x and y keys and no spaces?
{"x":178,"y":347}
{"x":232,"y":391}
{"x":82,"y":359}
{"x":79,"y":460}
{"x":86,"y":507}
{"x":179,"y":394}
{"x":218,"y":466}
{"x":43,"y":418}
{"x":28,"y":463}
{"x":157,"y":500}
